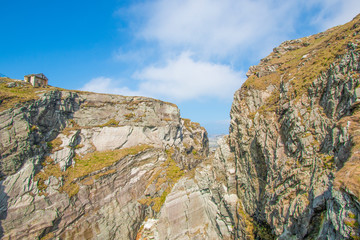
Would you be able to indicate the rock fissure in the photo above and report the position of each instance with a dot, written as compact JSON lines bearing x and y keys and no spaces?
{"x":78,"y":165}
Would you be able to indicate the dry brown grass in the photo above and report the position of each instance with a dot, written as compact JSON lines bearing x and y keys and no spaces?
{"x":247,"y":221}
{"x":321,"y":52}
{"x":169,"y":173}
{"x":84,"y":166}
{"x":48,"y":236}
{"x":10,"y":97}
{"x":55,"y":144}
{"x":111,"y":123}
{"x":129,"y":116}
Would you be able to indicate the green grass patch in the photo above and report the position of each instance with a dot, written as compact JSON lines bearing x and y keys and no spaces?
{"x":169,"y":173}
{"x":111,"y":123}
{"x":350,"y":222}
{"x":91,"y":162}
{"x":12,"y":96}
{"x":55,"y":144}
{"x":129,"y":116}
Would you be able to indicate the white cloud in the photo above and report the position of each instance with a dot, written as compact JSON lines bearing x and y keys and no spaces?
{"x":183,"y":78}
{"x":335,"y":12}
{"x":218,"y":28}
{"x":227,"y":28}
{"x":180,"y":79}
{"x":227,"y":31}
{"x":108,"y":85}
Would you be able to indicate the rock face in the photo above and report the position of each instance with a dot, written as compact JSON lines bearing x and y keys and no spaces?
{"x":91,"y":166}
{"x":77,"y":165}
{"x":295,"y":134}
{"x":202,"y":205}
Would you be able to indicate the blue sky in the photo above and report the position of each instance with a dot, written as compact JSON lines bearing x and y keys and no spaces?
{"x":194,"y":53}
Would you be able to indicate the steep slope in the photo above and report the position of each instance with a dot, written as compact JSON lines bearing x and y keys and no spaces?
{"x":201,"y":205}
{"x":295,"y":134}
{"x":78,"y":165}
{"x":88,"y":166}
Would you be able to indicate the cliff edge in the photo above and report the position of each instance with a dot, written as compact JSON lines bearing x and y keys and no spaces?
{"x":295,"y":134}
{"x":86,"y":165}
{"x":80,"y":165}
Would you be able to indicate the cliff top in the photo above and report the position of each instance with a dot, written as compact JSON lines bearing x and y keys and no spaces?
{"x":302,"y":60}
{"x":309,"y":75}
{"x":16,"y":92}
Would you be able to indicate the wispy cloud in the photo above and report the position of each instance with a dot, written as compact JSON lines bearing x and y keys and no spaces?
{"x":108,"y":85}
{"x":232,"y":28}
{"x":217,"y":28}
{"x":183,"y":78}
{"x":334,"y":12}
{"x":220,"y":35}
{"x":180,"y":79}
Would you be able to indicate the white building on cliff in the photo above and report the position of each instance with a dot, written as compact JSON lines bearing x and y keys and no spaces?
{"x":37,"y":80}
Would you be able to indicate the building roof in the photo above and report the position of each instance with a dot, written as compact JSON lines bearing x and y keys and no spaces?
{"x":39,"y":75}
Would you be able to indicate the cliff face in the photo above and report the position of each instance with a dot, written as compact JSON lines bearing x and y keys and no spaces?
{"x":295,"y":134}
{"x":90,"y":166}
{"x":78,"y":165}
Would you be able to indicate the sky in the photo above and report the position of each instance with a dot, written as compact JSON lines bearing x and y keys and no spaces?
{"x":193,"y":53}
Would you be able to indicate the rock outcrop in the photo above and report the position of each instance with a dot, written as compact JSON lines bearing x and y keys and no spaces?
{"x":78,"y":165}
{"x":295,"y":134}
{"x":201,"y":205}
{"x":91,"y":166}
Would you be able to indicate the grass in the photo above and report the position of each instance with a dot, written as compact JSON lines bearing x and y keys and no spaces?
{"x":253,"y":229}
{"x":48,"y":236}
{"x":34,"y":128}
{"x":111,"y":123}
{"x":55,"y":144}
{"x":11,"y":97}
{"x":254,"y":82}
{"x":191,"y":125}
{"x":91,"y":162}
{"x":169,"y":173}
{"x":129,"y":116}
{"x":321,"y":53}
{"x":51,"y":169}
{"x":350,"y":222}
{"x":248,"y":221}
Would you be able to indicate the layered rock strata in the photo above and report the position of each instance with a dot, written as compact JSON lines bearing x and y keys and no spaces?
{"x":295,"y":134}
{"x":77,"y":165}
{"x":91,"y":166}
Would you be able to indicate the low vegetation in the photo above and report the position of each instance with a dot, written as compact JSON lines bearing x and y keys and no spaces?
{"x":17,"y":94}
{"x":253,"y":229}
{"x":247,"y":221}
{"x":129,"y":116}
{"x":169,"y":173}
{"x":111,"y":123}
{"x":55,"y":145}
{"x":84,"y":166}
{"x":315,"y":57}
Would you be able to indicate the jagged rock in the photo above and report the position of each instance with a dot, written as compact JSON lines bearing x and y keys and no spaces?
{"x":292,"y":137}
{"x":201,"y":207}
{"x":78,"y":165}
{"x":131,"y":150}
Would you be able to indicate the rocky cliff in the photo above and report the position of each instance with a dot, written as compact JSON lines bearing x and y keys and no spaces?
{"x":79,"y":165}
{"x":89,"y":166}
{"x":295,"y":135}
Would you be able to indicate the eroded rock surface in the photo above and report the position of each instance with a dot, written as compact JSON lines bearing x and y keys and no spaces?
{"x":78,"y":165}
{"x":202,"y":204}
{"x":294,"y":131}
{"x":91,"y":166}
